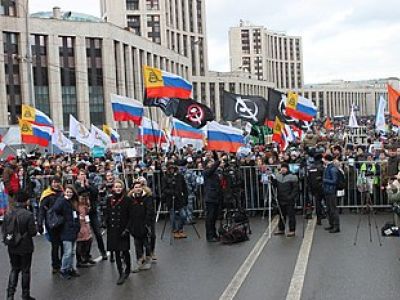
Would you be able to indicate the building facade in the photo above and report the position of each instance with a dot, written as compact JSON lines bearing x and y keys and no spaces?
{"x":178,"y":25}
{"x":78,"y":61}
{"x":271,"y":56}
{"x":337,"y":97}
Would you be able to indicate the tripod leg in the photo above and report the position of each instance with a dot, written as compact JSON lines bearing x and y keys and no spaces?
{"x":369,"y":226}
{"x":165,"y":225}
{"x":195,"y":229}
{"x":377,"y":231}
{"x":357,"y":230}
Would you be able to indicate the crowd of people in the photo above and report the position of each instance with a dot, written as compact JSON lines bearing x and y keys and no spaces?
{"x":73,"y":198}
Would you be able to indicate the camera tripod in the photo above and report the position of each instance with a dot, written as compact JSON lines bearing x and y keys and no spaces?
{"x":171,"y":238}
{"x":367,"y":208}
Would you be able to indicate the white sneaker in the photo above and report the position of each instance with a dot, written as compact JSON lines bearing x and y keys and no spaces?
{"x":146,"y":264}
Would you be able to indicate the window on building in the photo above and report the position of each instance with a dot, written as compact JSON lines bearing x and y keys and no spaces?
{"x":203,"y":92}
{"x":133,"y":22}
{"x":177,"y":14}
{"x":191,"y":18}
{"x":245,"y":38}
{"x":212,"y":96}
{"x":8,"y":8}
{"x":195,"y":96}
{"x":153,"y":25}
{"x":199,"y":17}
{"x":40,"y":72}
{"x":68,"y":78}
{"x":95,"y":80}
{"x":152,"y":4}
{"x":221,"y":95}
{"x":231,"y":87}
{"x":12,"y":75}
{"x":132,"y":4}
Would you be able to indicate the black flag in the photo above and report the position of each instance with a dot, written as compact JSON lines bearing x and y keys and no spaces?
{"x":167,"y":105}
{"x":193,"y":113}
{"x":248,"y":108}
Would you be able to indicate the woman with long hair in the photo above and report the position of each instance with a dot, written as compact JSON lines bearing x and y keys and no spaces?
{"x":117,"y":219}
{"x":66,"y":207}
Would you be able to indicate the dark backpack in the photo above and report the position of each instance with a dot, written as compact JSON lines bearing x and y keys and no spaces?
{"x":235,"y":233}
{"x":11,"y":232}
{"x":53,"y":219}
{"x":341,"y":181}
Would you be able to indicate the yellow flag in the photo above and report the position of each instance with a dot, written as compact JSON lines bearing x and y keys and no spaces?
{"x":278,"y":126}
{"x":292,"y":100}
{"x":28,"y":113}
{"x":25,"y":127}
{"x":152,"y":77}
{"x":107,"y":130}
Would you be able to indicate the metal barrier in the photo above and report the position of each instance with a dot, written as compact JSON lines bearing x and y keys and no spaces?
{"x":364,"y":181}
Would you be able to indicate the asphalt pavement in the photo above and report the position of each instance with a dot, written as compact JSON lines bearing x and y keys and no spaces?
{"x":194,"y":269}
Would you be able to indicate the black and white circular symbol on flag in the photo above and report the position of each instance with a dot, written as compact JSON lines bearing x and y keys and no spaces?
{"x":246,"y":109}
{"x":195,"y":114}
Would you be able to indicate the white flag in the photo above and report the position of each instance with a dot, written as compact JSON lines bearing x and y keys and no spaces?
{"x":353,"y":120}
{"x":62,"y":142}
{"x":80,"y":132}
{"x":380,"y":123}
{"x":99,"y":137}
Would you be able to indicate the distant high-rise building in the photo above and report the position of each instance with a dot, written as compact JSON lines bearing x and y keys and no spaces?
{"x":271,"y":56}
{"x":178,"y":25}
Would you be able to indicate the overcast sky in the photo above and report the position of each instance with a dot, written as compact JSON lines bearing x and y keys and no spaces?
{"x":342,"y":39}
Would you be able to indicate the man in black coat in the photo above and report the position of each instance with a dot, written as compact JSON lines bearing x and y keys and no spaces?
{"x":315,"y":176}
{"x":287,"y":187}
{"x":47,"y":200}
{"x":21,"y":254}
{"x":175,"y":194}
{"x":212,"y":197}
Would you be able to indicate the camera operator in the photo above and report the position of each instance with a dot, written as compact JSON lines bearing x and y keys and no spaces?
{"x":315,"y":176}
{"x":175,"y":195}
{"x":287,"y":193}
{"x":230,"y":183}
{"x":212,"y":196}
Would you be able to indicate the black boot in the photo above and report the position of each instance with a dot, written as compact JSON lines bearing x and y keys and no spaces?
{"x":121,"y":279}
{"x":335,"y":229}
{"x":319,"y":222}
{"x":12,"y":284}
{"x":329,"y":228}
{"x":26,"y":286}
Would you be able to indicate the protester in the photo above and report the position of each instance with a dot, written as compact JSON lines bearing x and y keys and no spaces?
{"x":84,"y":240}
{"x":47,"y":200}
{"x":141,"y":219}
{"x":11,"y":178}
{"x":20,"y":245}
{"x":330,"y":183}
{"x":117,"y":218}
{"x":66,"y":208}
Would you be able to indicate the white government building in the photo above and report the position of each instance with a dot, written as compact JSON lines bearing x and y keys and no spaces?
{"x":77,"y":60}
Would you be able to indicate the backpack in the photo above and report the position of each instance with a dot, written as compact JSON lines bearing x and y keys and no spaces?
{"x":11,"y":232}
{"x":341,"y":181}
{"x":233,"y":233}
{"x":53,"y":219}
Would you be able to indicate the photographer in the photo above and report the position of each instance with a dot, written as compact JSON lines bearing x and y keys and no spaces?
{"x":212,"y":196}
{"x":230,"y":184}
{"x":175,"y":195}
{"x":287,"y":193}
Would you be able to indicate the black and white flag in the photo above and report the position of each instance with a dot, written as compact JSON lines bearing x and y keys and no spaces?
{"x":248,"y":108}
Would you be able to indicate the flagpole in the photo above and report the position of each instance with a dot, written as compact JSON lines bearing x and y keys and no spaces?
{"x":152,"y":129}
{"x":122,"y":158}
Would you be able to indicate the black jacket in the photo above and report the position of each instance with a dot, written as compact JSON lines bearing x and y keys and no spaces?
{"x":174,"y":188}
{"x":46,"y":203}
{"x":287,"y":187}
{"x":212,"y":185}
{"x":315,"y":178}
{"x":70,"y":228}
{"x":26,"y":226}
{"x":141,"y":214}
{"x":117,"y":220}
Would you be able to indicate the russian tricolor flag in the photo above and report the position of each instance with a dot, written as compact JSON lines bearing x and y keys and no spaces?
{"x":224,"y":138}
{"x":34,"y":134}
{"x":126,"y":109}
{"x":150,"y":133}
{"x":183,"y":130}
{"x":161,"y":84}
{"x":300,"y":108}
{"x":35,"y":116}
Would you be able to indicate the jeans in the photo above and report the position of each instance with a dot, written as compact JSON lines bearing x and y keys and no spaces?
{"x":333,"y":213}
{"x":56,"y":249}
{"x":68,"y":256}
{"x":176,"y":220}
{"x":287,"y":212}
